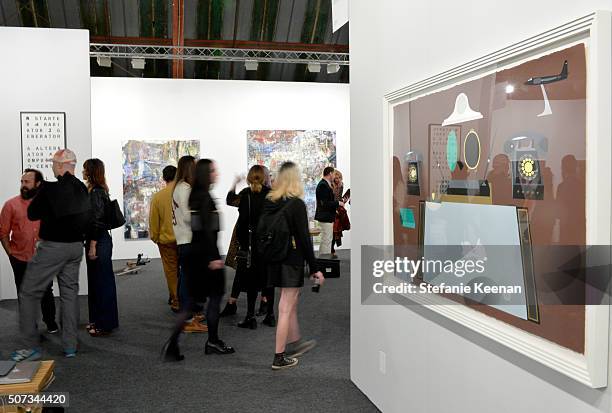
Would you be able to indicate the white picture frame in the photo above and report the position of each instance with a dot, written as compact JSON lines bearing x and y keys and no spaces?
{"x":595,"y":30}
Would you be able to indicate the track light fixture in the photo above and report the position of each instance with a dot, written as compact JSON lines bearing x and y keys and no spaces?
{"x":314,"y":67}
{"x":104,"y":61}
{"x":138,"y":63}
{"x":332,"y":68}
{"x":251,"y":65}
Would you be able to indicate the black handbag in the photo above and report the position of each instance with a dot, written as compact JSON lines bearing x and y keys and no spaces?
{"x":114,"y":216}
{"x":244,"y":257}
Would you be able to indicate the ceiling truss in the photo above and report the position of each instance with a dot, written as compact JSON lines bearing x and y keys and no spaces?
{"x":215,"y":54}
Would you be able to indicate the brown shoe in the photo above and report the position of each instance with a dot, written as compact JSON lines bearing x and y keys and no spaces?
{"x":195,"y":327}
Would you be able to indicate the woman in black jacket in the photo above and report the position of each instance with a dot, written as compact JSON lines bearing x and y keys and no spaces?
{"x":251,"y":271}
{"x":288,"y":275}
{"x":207,"y":260}
{"x":102,"y":295}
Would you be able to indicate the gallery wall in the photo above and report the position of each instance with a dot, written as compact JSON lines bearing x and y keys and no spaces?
{"x":46,"y":71}
{"x":418,"y":361}
{"x":218,"y":114}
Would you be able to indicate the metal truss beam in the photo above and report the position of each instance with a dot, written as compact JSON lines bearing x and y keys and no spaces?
{"x":215,"y":54}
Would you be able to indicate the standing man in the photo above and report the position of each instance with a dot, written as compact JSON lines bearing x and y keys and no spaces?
{"x":162,"y":233}
{"x":19,"y":236}
{"x":326,"y":210}
{"x":64,"y":212}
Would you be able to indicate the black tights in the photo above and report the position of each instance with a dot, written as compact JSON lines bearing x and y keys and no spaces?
{"x":212,"y":318}
{"x":252,"y":300}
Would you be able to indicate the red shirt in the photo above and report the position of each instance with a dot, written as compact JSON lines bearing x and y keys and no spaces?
{"x":23,"y":233}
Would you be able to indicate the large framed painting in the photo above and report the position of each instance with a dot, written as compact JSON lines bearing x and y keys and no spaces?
{"x":509,"y":155}
{"x":143,"y":162}
{"x":311,"y":150}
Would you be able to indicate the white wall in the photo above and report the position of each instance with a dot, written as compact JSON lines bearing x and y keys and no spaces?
{"x":433,"y":365}
{"x":218,"y":113}
{"x":41,"y":70}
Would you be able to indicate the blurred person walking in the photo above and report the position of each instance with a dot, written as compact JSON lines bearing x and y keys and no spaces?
{"x":202,"y":267}
{"x":102,"y":290}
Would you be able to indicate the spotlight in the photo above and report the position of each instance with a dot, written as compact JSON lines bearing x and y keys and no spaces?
{"x":314,"y":67}
{"x":332,"y":68}
{"x":104,"y":61}
{"x":509,"y":89}
{"x":138,"y":63}
{"x":251,"y":65}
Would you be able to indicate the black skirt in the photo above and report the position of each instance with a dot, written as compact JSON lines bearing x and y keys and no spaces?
{"x":253,"y":278}
{"x":285,"y":276}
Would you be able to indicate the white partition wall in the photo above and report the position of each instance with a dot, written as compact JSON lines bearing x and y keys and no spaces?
{"x":42,"y":70}
{"x":411,"y":359}
{"x":218,"y":114}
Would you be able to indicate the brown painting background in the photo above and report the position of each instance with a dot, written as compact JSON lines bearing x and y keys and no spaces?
{"x":558,"y":219}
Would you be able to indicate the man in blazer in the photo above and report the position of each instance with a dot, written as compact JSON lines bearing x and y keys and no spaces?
{"x":326,"y":210}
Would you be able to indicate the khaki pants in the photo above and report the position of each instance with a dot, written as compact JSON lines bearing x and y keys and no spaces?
{"x":169,"y":257}
{"x":327,"y":235}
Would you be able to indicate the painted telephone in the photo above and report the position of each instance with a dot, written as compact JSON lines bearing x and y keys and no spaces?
{"x":526,"y":152}
{"x":413,"y":160}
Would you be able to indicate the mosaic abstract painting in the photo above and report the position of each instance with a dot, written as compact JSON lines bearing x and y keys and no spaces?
{"x":143,"y":162}
{"x":312,"y":150}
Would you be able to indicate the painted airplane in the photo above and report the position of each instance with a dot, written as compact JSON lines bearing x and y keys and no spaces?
{"x":544,"y":80}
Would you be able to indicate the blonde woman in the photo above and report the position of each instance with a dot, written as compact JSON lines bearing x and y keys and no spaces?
{"x":288,"y":274}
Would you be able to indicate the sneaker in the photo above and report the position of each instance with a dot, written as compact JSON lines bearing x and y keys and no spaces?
{"x":195,"y":327}
{"x":70,"y":353}
{"x":26,"y":355}
{"x":300,"y":347}
{"x":52,"y":328}
{"x":281,"y":361}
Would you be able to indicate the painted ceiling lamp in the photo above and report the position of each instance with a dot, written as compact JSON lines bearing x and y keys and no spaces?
{"x":461,"y":113}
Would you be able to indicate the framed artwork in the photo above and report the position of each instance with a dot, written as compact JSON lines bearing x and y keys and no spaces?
{"x":42,"y":134}
{"x":312,"y":150}
{"x":535,"y":119}
{"x":143,"y":162}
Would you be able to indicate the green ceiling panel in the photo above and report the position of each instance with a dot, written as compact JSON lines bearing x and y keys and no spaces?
{"x":210,"y":19}
{"x":264,"y":20}
{"x":93,"y":17}
{"x":154,"y":16}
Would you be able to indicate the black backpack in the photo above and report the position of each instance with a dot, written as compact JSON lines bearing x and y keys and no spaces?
{"x":273,"y":235}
